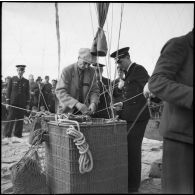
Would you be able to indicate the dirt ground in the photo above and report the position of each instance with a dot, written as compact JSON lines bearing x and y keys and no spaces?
{"x":151,"y":151}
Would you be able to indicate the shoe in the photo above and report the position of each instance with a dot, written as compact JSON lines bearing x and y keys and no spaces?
{"x":17,"y":140}
{"x":6,"y":140}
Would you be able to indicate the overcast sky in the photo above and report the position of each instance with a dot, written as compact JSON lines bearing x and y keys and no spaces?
{"x":29,"y":33}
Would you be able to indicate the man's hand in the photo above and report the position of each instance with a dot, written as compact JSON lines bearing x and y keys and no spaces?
{"x":118,"y":106}
{"x":121,"y":84}
{"x":82,"y":108}
{"x":92,"y":108}
{"x":146,"y":92}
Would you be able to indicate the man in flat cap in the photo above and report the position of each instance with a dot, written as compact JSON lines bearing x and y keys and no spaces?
{"x":18,"y":94}
{"x":77,"y":89}
{"x":103,"y":110}
{"x":136,"y":77}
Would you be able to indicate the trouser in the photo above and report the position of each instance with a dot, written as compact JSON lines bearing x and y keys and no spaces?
{"x":14,"y":114}
{"x":134,"y":139}
{"x":177,"y":167}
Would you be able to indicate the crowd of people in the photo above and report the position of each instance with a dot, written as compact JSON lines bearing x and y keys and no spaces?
{"x":81,"y":89}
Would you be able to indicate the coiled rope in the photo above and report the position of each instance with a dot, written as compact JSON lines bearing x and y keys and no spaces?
{"x":85,"y":159}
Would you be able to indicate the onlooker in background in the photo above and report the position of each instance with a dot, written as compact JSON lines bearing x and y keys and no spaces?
{"x":33,"y":86}
{"x":53,"y":98}
{"x":136,"y":77}
{"x":18,"y":94}
{"x":172,"y":81}
{"x":46,"y":90}
{"x":38,"y":92}
{"x":4,"y":111}
{"x":103,"y":108}
{"x":77,"y":89}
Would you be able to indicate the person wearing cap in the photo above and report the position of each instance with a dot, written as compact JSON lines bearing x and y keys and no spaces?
{"x":77,"y":89}
{"x":18,"y":94}
{"x":103,"y":110}
{"x":53,"y":98}
{"x":172,"y":81}
{"x":133,"y":101}
{"x":32,"y":85}
{"x":46,"y":92}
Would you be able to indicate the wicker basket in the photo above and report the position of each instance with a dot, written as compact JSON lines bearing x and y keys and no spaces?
{"x":108,"y":145}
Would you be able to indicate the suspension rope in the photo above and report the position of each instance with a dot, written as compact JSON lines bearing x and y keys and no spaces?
{"x":58,"y":37}
{"x":140,"y":112}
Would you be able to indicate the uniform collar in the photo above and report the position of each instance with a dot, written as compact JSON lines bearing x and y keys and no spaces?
{"x":129,"y":66}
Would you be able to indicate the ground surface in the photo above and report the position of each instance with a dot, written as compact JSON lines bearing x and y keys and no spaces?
{"x":151,"y":151}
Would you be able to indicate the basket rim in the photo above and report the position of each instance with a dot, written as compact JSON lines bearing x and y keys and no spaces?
{"x":89,"y":123}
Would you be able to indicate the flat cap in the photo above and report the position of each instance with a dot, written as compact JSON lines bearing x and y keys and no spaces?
{"x":85,"y":55}
{"x":121,"y":52}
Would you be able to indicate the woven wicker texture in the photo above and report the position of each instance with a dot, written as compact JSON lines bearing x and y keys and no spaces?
{"x":108,"y":145}
{"x":27,"y":176}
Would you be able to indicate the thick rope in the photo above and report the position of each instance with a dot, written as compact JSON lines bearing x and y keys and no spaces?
{"x":85,"y":159}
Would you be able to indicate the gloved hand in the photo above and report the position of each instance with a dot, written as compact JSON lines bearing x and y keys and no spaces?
{"x":146,"y":92}
{"x":118,"y":106}
{"x":92,"y":108}
{"x":82,"y":108}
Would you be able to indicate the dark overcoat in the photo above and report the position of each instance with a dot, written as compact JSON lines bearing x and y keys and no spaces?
{"x":172,"y":81}
{"x":18,"y":92}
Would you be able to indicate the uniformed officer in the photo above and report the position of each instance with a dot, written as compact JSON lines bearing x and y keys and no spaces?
{"x":18,"y":94}
{"x":136,"y":77}
{"x":104,"y":101}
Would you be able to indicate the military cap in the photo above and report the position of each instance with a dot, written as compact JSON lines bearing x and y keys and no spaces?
{"x":121,"y":53}
{"x":98,"y":64}
{"x":20,"y":66}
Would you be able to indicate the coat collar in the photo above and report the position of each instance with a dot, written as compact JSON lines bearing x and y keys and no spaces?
{"x":131,"y":68}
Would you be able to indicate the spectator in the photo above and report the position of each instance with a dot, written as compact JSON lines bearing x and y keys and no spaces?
{"x":17,"y":95}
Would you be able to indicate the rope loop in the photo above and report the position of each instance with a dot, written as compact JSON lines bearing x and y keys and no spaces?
{"x":85,"y":159}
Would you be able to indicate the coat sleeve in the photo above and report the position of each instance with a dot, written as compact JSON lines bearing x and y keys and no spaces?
{"x":63,"y":90}
{"x":94,"y":93}
{"x":163,"y":83}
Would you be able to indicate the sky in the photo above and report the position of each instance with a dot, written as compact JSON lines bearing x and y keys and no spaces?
{"x":29,"y":33}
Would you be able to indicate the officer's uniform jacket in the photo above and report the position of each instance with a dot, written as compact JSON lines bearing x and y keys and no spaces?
{"x":18,"y":92}
{"x":135,"y":80}
{"x":67,"y":89}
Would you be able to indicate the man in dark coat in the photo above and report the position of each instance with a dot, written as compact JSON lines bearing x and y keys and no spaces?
{"x":136,"y":77}
{"x":103,"y":110}
{"x":18,"y":94}
{"x":46,"y":90}
{"x":172,"y":81}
